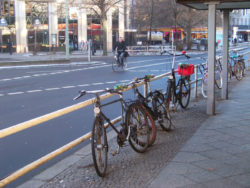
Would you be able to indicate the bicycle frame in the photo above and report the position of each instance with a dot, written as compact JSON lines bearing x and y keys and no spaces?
{"x":98,"y":112}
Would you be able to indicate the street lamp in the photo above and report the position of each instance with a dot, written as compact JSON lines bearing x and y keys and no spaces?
{"x":37,"y":23}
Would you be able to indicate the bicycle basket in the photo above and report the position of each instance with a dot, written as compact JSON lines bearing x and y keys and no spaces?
{"x":185,"y":69}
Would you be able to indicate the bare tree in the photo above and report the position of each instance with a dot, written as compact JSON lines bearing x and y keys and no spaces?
{"x":100,"y":8}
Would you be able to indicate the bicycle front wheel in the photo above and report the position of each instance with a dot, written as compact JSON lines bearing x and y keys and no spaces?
{"x":218,"y":78}
{"x":238,"y":71}
{"x":204,"y":85}
{"x":99,"y":147}
{"x":184,"y":95}
{"x":115,"y":65}
{"x":161,"y":109}
{"x":137,"y":123}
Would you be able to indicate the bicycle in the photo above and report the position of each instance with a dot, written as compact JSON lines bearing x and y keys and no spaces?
{"x":154,"y":102}
{"x":152,"y":128}
{"x":179,"y":93}
{"x":120,"y":61}
{"x":204,"y":73}
{"x":134,"y":128}
{"x":235,"y":68}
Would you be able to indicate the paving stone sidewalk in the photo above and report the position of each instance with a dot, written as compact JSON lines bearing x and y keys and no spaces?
{"x":218,"y":155}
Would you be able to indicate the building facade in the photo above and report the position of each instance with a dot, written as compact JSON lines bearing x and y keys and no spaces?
{"x":41,"y":23}
{"x":240,"y":23}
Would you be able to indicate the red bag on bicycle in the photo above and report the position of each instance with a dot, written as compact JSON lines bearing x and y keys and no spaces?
{"x":185,"y":69}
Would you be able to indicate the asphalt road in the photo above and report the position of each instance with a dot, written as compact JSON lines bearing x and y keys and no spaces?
{"x":31,"y":91}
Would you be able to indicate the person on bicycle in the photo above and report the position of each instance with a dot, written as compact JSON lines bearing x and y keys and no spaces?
{"x":121,"y":50}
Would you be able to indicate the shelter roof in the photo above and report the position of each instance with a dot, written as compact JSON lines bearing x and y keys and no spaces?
{"x":222,"y":4}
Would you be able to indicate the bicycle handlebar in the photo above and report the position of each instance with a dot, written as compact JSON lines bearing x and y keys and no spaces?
{"x":84,"y":92}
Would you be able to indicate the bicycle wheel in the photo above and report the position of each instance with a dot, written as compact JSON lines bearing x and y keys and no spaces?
{"x":115,"y":65}
{"x":99,"y":146}
{"x":184,"y":93}
{"x":204,"y":85}
{"x":238,"y":71}
{"x":152,"y":128}
{"x":161,"y":109}
{"x":218,"y":78}
{"x":137,"y":123}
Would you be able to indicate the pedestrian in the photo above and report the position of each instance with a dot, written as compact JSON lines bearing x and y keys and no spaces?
{"x":10,"y":44}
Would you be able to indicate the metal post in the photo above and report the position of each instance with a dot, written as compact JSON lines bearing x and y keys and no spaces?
{"x":35,"y":49}
{"x":196,"y":80}
{"x":224,"y":92}
{"x":67,"y":28}
{"x":89,"y":50}
{"x":211,"y":57}
{"x":145,"y":89}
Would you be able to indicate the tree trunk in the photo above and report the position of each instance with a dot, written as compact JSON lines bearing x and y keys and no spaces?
{"x":188,"y":38}
{"x":104,"y":34}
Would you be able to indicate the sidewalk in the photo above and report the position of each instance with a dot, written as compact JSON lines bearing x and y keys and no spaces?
{"x":217,"y":155}
{"x":47,"y":58}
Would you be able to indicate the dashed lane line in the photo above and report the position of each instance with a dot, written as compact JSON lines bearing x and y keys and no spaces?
{"x":16,"y":93}
{"x":34,"y":91}
{"x":64,"y":87}
{"x":67,"y":87}
{"x":52,"y":89}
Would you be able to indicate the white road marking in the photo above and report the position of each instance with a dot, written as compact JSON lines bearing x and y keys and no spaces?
{"x":51,"y":89}
{"x":34,"y":91}
{"x":16,"y":93}
{"x":83,"y":85}
{"x":67,"y":87}
{"x":1,"y":95}
{"x":95,"y":84}
{"x":112,"y":82}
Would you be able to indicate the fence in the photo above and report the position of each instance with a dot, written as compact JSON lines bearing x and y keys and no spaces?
{"x":31,"y":123}
{"x":139,"y":50}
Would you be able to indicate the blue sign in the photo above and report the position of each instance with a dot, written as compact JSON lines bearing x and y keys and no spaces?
{"x":3,"y":22}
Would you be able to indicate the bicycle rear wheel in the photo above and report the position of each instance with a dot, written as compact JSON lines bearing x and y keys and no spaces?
{"x":99,"y":147}
{"x":161,"y":109}
{"x":238,"y":71}
{"x":204,"y":85}
{"x":184,"y":95}
{"x":218,"y":78}
{"x":137,"y":123}
{"x":152,"y":128}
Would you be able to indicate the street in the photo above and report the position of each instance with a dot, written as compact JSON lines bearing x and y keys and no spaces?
{"x":28,"y":92}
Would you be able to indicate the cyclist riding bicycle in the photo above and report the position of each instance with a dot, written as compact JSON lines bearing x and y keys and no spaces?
{"x":121,"y":50}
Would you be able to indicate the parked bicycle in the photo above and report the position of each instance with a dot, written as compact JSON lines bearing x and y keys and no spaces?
{"x":235,"y":67}
{"x":154,"y":102}
{"x":204,"y":72}
{"x":134,"y":128}
{"x":179,"y":92}
{"x":120,"y":61}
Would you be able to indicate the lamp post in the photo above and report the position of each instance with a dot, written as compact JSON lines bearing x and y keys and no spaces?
{"x":67,"y":28}
{"x":37,"y":23}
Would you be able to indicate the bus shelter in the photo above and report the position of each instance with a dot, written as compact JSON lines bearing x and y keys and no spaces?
{"x":225,"y":6}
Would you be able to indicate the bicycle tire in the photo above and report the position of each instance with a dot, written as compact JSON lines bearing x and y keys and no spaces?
{"x":204,"y":85}
{"x":115,"y":65}
{"x":218,"y":78}
{"x":238,"y":71}
{"x":99,"y":146}
{"x":161,"y":109}
{"x":138,"y":126}
{"x":152,"y":128}
{"x":184,"y":93}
